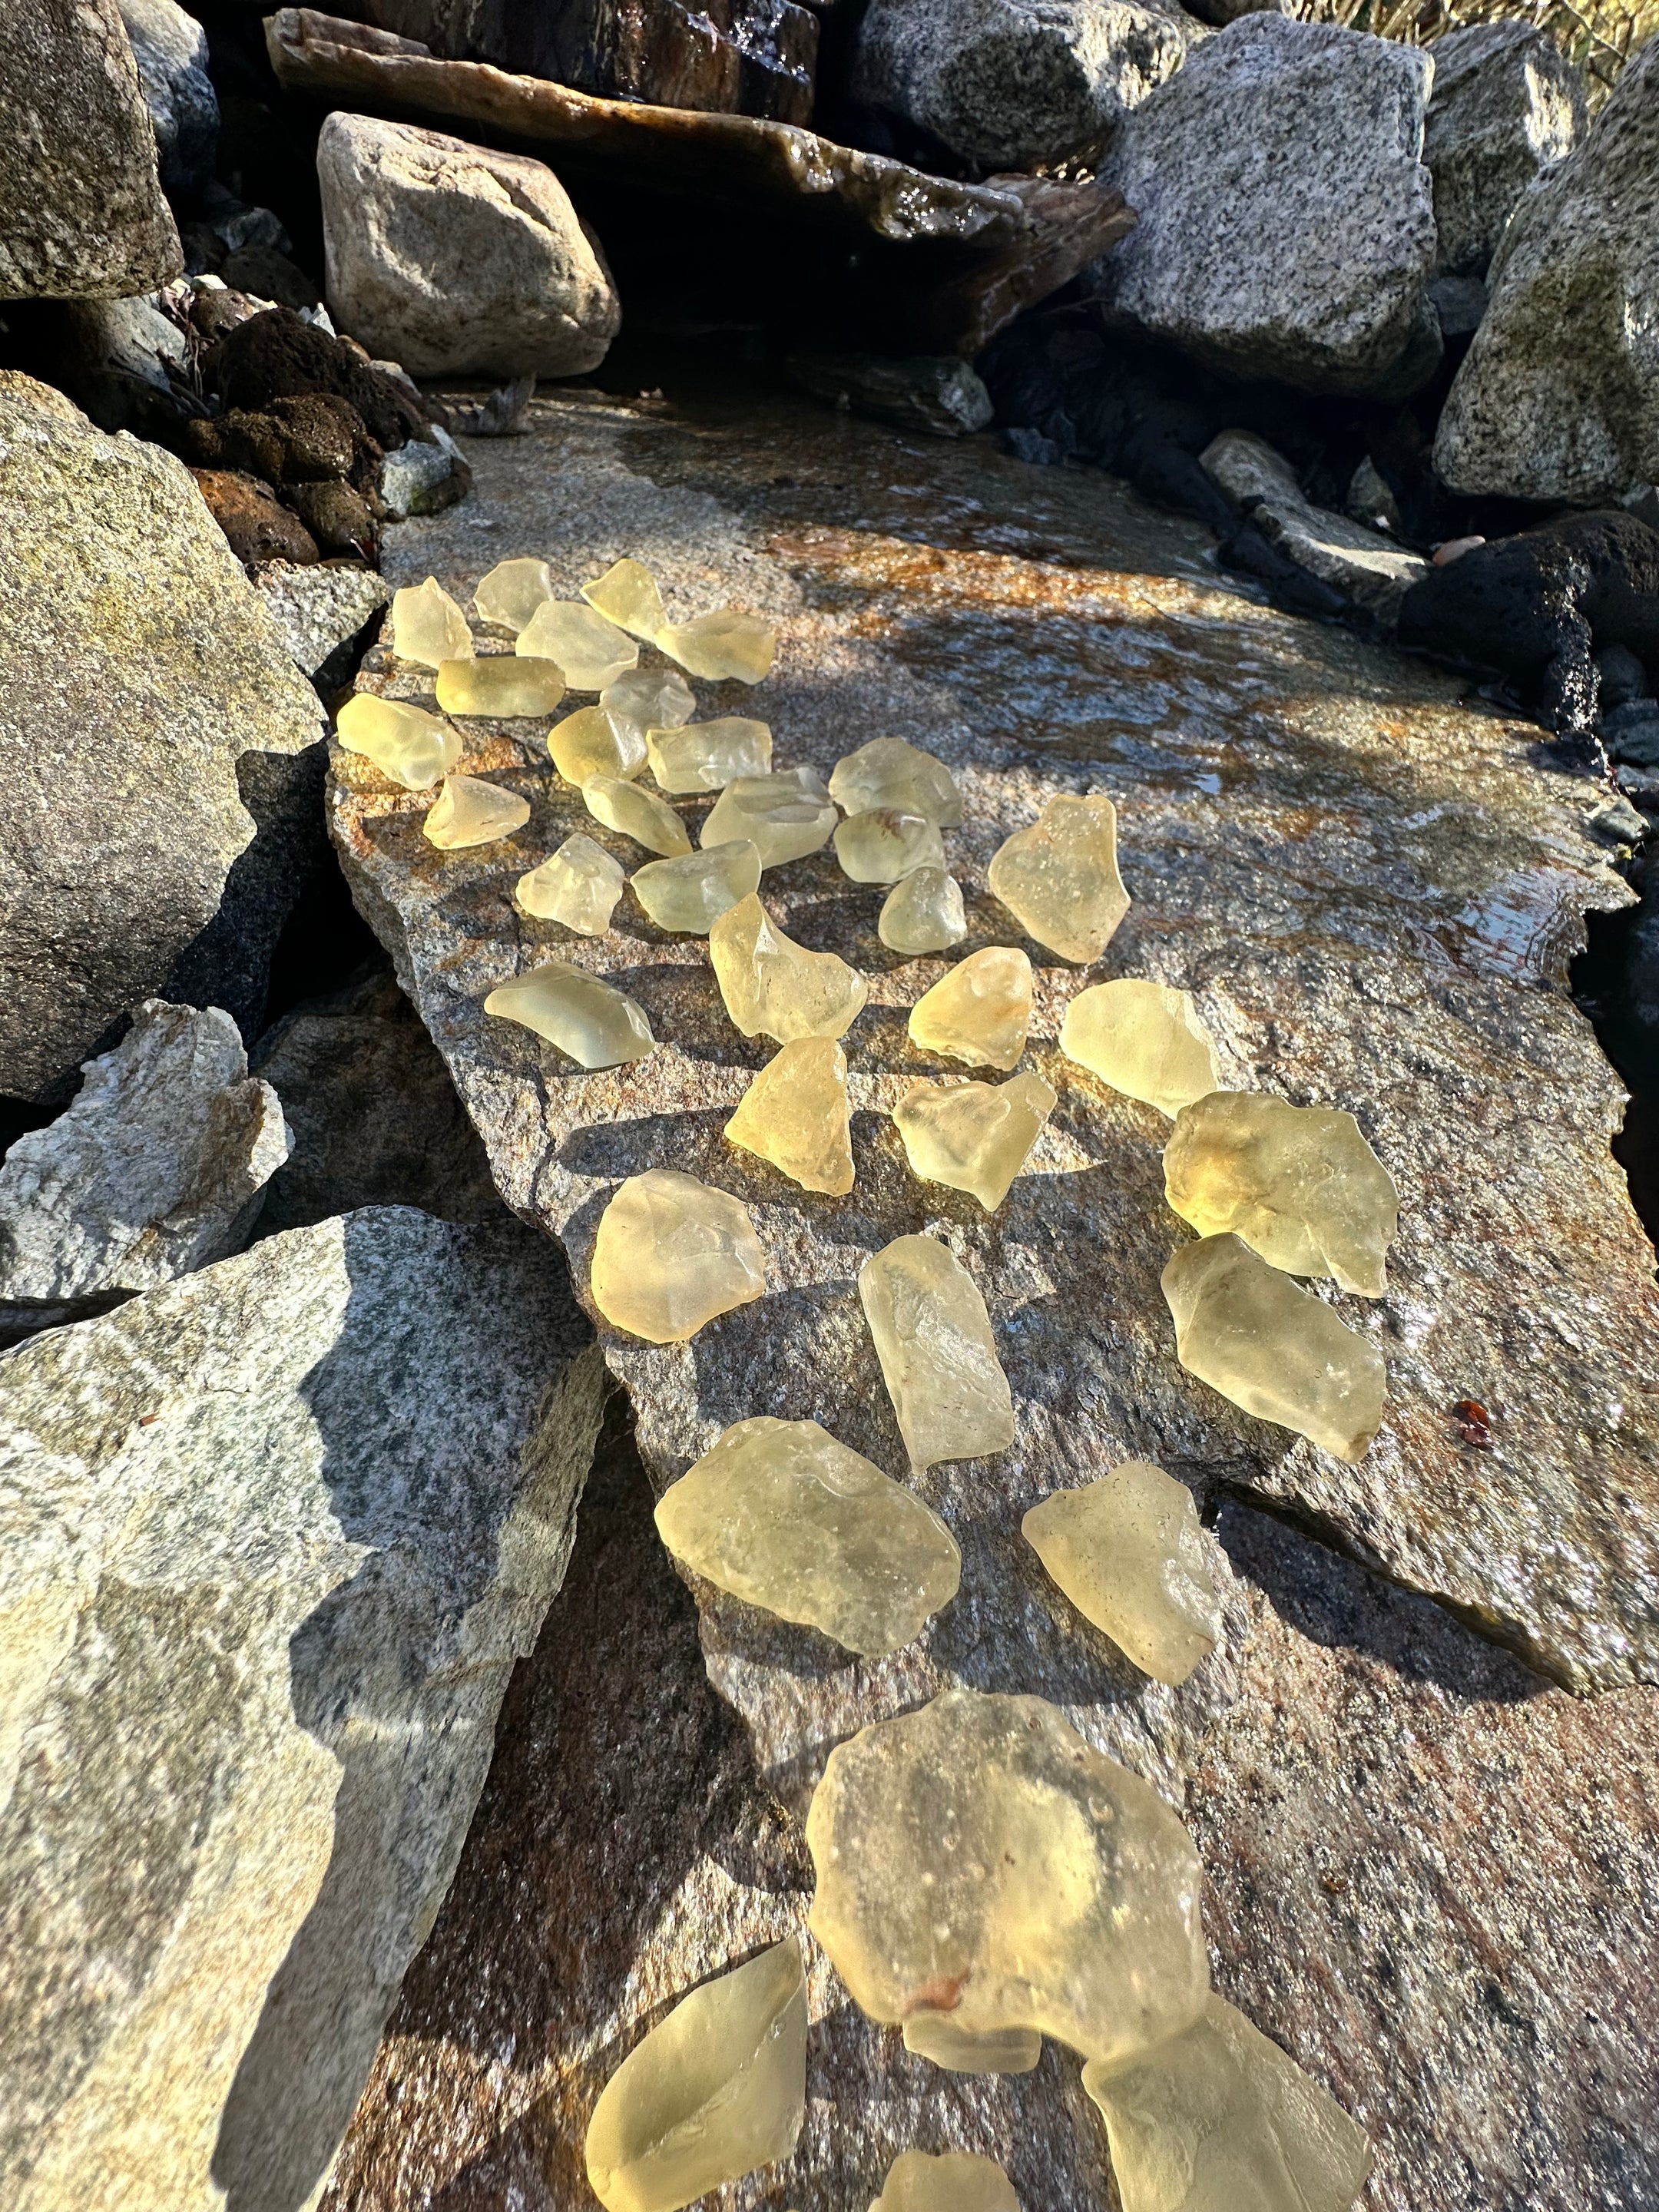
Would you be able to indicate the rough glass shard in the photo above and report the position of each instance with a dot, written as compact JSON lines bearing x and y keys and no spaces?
{"x":923,"y":913}
{"x":598,"y":1026}
{"x":428,"y":627}
{"x":578,"y":885}
{"x":1130,"y":1553}
{"x":500,"y":685}
{"x":470,"y":812}
{"x":671,"y":1253}
{"x":1218,"y":2119}
{"x":935,"y":2036}
{"x":714,"y":2091}
{"x":405,"y":743}
{"x":887,"y":772}
{"x":1298,"y":1183}
{"x":692,"y":893}
{"x":978,"y":1859}
{"x":786,"y":1517}
{"x":591,"y":651}
{"x":973,"y":1136}
{"x":641,"y":815}
{"x":595,"y":742}
{"x":939,"y":1357}
{"x":795,"y":1115}
{"x":1059,"y":879}
{"x":785,"y":816}
{"x":979,"y":1012}
{"x":707,"y":756}
{"x":884,"y":845}
{"x":1145,"y":1039}
{"x":627,"y":595}
{"x":1278,"y":1352}
{"x":772,"y":986}
{"x":723,"y":644}
{"x":651,"y":699}
{"x":954,"y":2181}
{"x":512,"y":592}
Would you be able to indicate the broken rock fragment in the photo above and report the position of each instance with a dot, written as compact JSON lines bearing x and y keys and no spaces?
{"x":887,"y":772}
{"x":405,"y":743}
{"x":596,"y":1024}
{"x":786,"y":1517}
{"x":428,"y":627}
{"x":707,"y":756}
{"x":886,"y":844}
{"x":578,"y":886}
{"x":693,"y":891}
{"x":939,"y":1357}
{"x":671,"y":1253}
{"x":973,"y":1136}
{"x":1059,"y":879}
{"x":772,"y":986}
{"x":923,"y":913}
{"x":595,"y":742}
{"x":1278,"y":1351}
{"x":641,"y":815}
{"x":785,"y":816}
{"x":470,"y":812}
{"x":498,"y":685}
{"x":722,"y":645}
{"x":591,"y":651}
{"x":956,"y":2181}
{"x":979,"y":1012}
{"x":976,"y":1858}
{"x":795,"y":1115}
{"x":627,"y":596}
{"x":510,"y":594}
{"x":1143,"y":1038}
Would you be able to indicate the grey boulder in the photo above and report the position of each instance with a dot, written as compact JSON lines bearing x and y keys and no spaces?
{"x":171,"y":50}
{"x":1507,"y":105}
{"x":123,"y":361}
{"x":1370,"y":567}
{"x":318,"y":610}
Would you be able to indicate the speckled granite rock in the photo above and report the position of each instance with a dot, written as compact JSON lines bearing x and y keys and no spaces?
{"x":1373,"y":570}
{"x":1507,"y":105}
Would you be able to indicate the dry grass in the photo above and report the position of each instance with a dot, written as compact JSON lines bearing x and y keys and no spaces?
{"x":1599,"y":35}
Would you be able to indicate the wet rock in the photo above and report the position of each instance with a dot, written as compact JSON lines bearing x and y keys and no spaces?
{"x":318,"y":611}
{"x":171,"y":50}
{"x":257,"y":526}
{"x":284,"y":1529}
{"x":1068,"y":226}
{"x":1507,"y":105}
{"x":1366,"y":567}
{"x":935,"y":392}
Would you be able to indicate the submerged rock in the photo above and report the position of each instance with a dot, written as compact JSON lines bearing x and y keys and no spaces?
{"x":938,"y":393}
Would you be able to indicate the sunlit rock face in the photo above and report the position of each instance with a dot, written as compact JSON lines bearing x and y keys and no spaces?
{"x":772,"y":986}
{"x":707,"y":756}
{"x":715,"y":2090}
{"x":976,"y":1858}
{"x":1145,"y":1039}
{"x":499,"y":683}
{"x":470,"y":812}
{"x":725,"y":643}
{"x":923,"y":913}
{"x":692,"y":891}
{"x":623,"y":806}
{"x":1278,"y":1351}
{"x":591,"y":651}
{"x":1299,"y":1184}
{"x":784,"y":1517}
{"x":1129,"y":1552}
{"x":886,"y":844}
{"x":627,"y":595}
{"x":979,"y":1012}
{"x":596,"y":1024}
{"x":973,"y":1136}
{"x":595,"y":742}
{"x":935,"y":2036}
{"x":428,"y":627}
{"x":509,"y":594}
{"x":578,"y":885}
{"x":795,"y":1115}
{"x":650,"y":698}
{"x":1059,"y":879}
{"x":1219,"y":2118}
{"x":671,"y":1253}
{"x":786,"y":815}
{"x":889,"y":772}
{"x":954,"y":2181}
{"x":939,"y":1357}
{"x":405,"y":743}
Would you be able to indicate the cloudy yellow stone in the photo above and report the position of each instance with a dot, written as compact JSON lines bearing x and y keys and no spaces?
{"x":509,"y":596}
{"x":1298,"y":1183}
{"x":933,"y":2036}
{"x":596,"y":1024}
{"x":671,"y":1253}
{"x":591,"y":652}
{"x":976,"y":1858}
{"x":1219,"y":2120}
{"x":578,"y":886}
{"x":923,"y":913}
{"x":650,"y":698}
{"x":405,"y":743}
{"x":1145,"y":1039}
{"x":1278,"y":1351}
{"x":428,"y":627}
{"x":887,"y":772}
{"x":954,"y":2181}
{"x":716,"y":2090}
{"x":939,"y":1357}
{"x":979,"y":1010}
{"x":772,"y":986}
{"x":786,"y":1518}
{"x":720,"y":645}
{"x":641,"y":815}
{"x":785,"y":816}
{"x":973,"y":1136}
{"x":1059,"y":879}
{"x":1130,"y":1553}
{"x":470,"y":812}
{"x":795,"y":1115}
{"x":692,"y":892}
{"x":595,"y":742}
{"x":499,"y":685}
{"x":707,"y":756}
{"x":627,"y":595}
{"x":885,"y":844}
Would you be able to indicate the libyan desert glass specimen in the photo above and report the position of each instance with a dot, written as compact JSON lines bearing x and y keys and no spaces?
{"x":627,"y":595}
{"x":672,"y":1253}
{"x":978,"y":1859}
{"x":774,"y":987}
{"x":1298,"y":1183}
{"x":939,"y":1357}
{"x":795,"y":1115}
{"x":641,"y":815}
{"x":512,"y":592}
{"x":1130,"y":1553}
{"x":719,"y":645}
{"x":784,"y":1517}
{"x":658,"y":698}
{"x":1145,"y":1039}
{"x":595,"y":742}
{"x":1059,"y":879}
{"x":591,"y":651}
{"x":578,"y":885}
{"x":1218,"y":2119}
{"x":692,"y":892}
{"x":979,"y":1012}
{"x":923,"y":913}
{"x":887,"y":772}
{"x":973,"y":1136}
{"x":935,"y":2036}
{"x":786,"y":815}
{"x":707,"y":756}
{"x":715,"y":2090}
{"x":428,"y":627}
{"x":499,"y":685}
{"x":884,"y":845}
{"x":598,"y":1026}
{"x":405,"y":743}
{"x":1278,"y":1352}
{"x":470,"y":812}
{"x":954,"y":2181}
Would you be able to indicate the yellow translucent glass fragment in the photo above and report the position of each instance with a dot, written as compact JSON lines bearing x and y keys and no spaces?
{"x":785,"y":816}
{"x":923,"y":913}
{"x":692,"y":892}
{"x":627,"y":595}
{"x":509,"y":596}
{"x":884,"y":844}
{"x":973,"y":1136}
{"x":428,"y":627}
{"x":595,"y":742}
{"x":499,"y":685}
{"x":578,"y":886}
{"x":720,"y":645}
{"x":591,"y":651}
{"x":979,"y":1010}
{"x":1059,"y":879}
{"x":672,"y":1253}
{"x":772,"y":986}
{"x":935,"y":2036}
{"x":887,"y":772}
{"x":795,"y":1115}
{"x":641,"y":815}
{"x":707,"y":756}
{"x":650,"y":698}
{"x":954,"y":2181}
{"x":405,"y":743}
{"x":939,"y":1357}
{"x":470,"y":812}
{"x":1145,"y":1039}
{"x":596,"y":1024}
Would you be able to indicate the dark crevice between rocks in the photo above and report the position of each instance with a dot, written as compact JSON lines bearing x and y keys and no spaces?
{"x":1615,"y":983}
